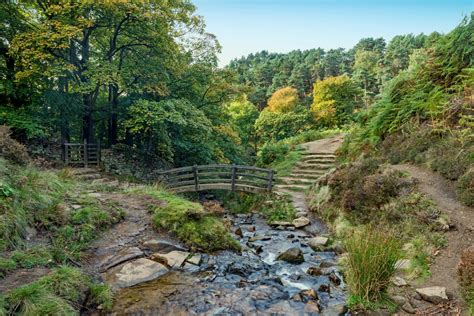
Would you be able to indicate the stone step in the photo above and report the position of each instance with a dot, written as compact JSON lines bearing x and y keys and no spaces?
{"x":90,"y":176}
{"x":291,"y":180}
{"x":309,"y":176}
{"x":318,"y":160}
{"x":318,"y":154}
{"x":306,"y":171}
{"x":292,"y":187}
{"x":314,"y":166}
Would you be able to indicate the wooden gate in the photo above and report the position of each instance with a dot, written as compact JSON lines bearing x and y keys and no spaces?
{"x":223,"y":177}
{"x":81,"y":154}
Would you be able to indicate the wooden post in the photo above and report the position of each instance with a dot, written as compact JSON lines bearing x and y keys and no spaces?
{"x":270,"y":180}
{"x":85,"y":154}
{"x":196,"y":180}
{"x":98,"y":152}
{"x":66,"y":153}
{"x":234,"y":171}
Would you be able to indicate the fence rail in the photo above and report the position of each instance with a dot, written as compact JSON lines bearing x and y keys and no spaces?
{"x":81,"y":154}
{"x":224,"y":177}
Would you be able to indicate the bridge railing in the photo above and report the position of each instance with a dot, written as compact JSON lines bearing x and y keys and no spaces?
{"x":226,"y":177}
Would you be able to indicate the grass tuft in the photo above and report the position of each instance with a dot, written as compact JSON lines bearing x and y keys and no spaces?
{"x":372,"y":257}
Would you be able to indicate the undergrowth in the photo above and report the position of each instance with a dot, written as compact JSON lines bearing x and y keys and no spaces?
{"x":189,"y":221}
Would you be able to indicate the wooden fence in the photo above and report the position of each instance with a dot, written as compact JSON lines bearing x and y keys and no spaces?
{"x":223,"y":177}
{"x":81,"y":154}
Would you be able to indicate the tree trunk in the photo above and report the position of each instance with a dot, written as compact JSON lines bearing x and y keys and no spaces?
{"x":87,"y":122}
{"x":113,"y":117}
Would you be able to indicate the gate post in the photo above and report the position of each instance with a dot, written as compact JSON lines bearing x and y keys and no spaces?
{"x":234,"y":171}
{"x":66,"y":153}
{"x":86,"y":158}
{"x":270,"y":180}
{"x":196,"y":180}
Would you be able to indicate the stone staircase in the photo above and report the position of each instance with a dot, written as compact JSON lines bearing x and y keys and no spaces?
{"x":310,"y":168}
{"x":93,"y":176}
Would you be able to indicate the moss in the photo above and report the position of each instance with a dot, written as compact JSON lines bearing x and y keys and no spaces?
{"x":189,"y":221}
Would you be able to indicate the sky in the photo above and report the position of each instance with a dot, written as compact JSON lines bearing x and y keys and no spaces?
{"x":247,"y":26}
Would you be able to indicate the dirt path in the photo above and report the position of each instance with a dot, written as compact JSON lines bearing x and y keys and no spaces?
{"x":440,"y":190}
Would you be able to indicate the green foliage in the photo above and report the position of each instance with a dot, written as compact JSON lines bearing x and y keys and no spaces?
{"x":32,"y":257}
{"x":372,"y":256}
{"x":59,"y":293}
{"x":243,"y":115}
{"x":334,"y":100}
{"x":6,"y":265}
{"x":465,"y":188}
{"x":189,"y":222}
{"x":102,"y":295}
{"x":272,"y":127}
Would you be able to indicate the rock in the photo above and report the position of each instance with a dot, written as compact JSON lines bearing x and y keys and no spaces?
{"x":338,"y":308}
{"x":279,"y":223}
{"x":399,"y":281}
{"x":324,"y":288}
{"x":301,"y":214}
{"x":292,"y":255}
{"x":433,"y":294}
{"x":195,"y":259}
{"x":397,"y":299}
{"x":317,"y":243}
{"x":311,"y":308}
{"x":334,"y":278}
{"x":403,"y":264}
{"x":239,"y":233}
{"x":94,"y":195}
{"x":161,"y":246}
{"x":174,"y":259}
{"x":408,"y":308}
{"x":314,"y":271}
{"x":122,"y":256}
{"x":309,"y":294}
{"x":259,"y":237}
{"x":76,"y":206}
{"x":327,"y":264}
{"x":139,"y":271}
{"x":251,"y":228}
{"x":301,"y":222}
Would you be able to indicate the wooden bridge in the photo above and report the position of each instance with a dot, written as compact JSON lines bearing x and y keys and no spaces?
{"x":218,"y":177}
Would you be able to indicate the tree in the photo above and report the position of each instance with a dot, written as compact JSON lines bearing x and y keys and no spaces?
{"x":367,"y":73}
{"x":243,"y":115}
{"x":283,"y":100}
{"x":334,"y":100}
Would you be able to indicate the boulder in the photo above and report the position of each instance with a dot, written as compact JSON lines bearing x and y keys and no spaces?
{"x":122,"y":256}
{"x":301,"y":214}
{"x":399,"y":281}
{"x":301,"y":222}
{"x":327,"y":264}
{"x":195,"y":259}
{"x":174,"y":259}
{"x":403,"y":264}
{"x":292,"y":255}
{"x":161,"y":246}
{"x":433,"y":294}
{"x":398,"y":299}
{"x":139,"y":271}
{"x":318,"y":243}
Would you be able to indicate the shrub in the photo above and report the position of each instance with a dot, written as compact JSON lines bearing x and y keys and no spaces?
{"x":371,"y":263}
{"x":271,"y":152}
{"x":449,"y":158}
{"x":465,"y":188}
{"x":6,"y":265}
{"x":466,"y":276}
{"x":10,"y":148}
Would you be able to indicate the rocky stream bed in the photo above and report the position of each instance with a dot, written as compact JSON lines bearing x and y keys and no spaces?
{"x":277,"y":272}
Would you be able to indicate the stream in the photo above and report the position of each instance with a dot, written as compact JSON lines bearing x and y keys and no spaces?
{"x":251,"y":282}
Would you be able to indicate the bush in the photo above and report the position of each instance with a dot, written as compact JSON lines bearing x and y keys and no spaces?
{"x":11,"y":149}
{"x":271,"y":152}
{"x":371,"y":263}
{"x":466,"y":276}
{"x":449,"y":158}
{"x":465,"y":188}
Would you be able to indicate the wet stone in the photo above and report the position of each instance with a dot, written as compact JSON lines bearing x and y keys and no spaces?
{"x":161,"y":246}
{"x":138,"y":271}
{"x":174,"y":259}
{"x":433,"y":294}
{"x":120,"y":257}
{"x":334,"y":278}
{"x":292,"y":255}
{"x":318,"y":243}
{"x":301,"y":222}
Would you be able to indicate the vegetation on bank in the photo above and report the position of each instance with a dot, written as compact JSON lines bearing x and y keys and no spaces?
{"x":188,"y":221}
{"x":59,"y":293}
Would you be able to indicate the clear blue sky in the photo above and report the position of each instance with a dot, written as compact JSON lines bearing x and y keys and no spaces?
{"x":246,"y":26}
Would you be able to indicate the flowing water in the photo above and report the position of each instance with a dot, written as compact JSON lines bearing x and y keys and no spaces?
{"x":252,"y":282}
